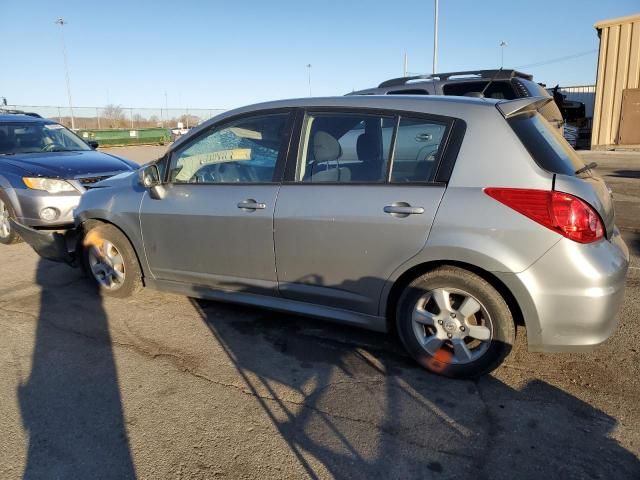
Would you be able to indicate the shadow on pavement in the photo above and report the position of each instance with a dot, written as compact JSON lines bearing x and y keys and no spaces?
{"x":625,"y":174}
{"x":71,"y":404}
{"x":632,"y":239}
{"x":349,"y":402}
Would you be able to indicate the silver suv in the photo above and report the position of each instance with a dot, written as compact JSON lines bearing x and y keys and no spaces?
{"x":501,"y":84}
{"x":446,"y":219}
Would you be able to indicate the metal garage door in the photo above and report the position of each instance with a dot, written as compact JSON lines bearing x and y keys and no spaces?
{"x":630,"y":117}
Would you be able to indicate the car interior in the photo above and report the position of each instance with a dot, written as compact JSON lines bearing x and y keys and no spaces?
{"x":23,"y":138}
{"x":345,"y":148}
{"x":244,"y":152}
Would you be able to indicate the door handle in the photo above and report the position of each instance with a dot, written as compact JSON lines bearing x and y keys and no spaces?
{"x":403,"y":209}
{"x":251,"y":204}
{"x":423,"y":137}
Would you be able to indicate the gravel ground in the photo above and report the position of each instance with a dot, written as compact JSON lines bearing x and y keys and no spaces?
{"x":163,"y":386}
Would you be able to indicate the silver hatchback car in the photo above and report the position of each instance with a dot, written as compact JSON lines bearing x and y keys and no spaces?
{"x":447,"y":219}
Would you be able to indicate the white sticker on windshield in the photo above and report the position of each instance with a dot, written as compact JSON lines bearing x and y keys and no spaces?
{"x":53,"y":126}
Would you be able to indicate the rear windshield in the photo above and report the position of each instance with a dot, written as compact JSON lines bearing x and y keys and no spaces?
{"x":545,"y":144}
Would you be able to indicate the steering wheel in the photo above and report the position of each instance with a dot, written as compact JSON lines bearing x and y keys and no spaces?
{"x":52,"y":147}
{"x":227,"y":172}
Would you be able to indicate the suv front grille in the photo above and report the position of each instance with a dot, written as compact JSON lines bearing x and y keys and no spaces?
{"x":88,"y":181}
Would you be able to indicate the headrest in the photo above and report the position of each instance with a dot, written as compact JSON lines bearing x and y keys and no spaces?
{"x":325,"y":147}
{"x":367,"y":148}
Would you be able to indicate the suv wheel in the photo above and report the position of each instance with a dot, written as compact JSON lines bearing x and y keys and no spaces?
{"x":7,"y":234}
{"x":454,"y":323}
{"x":110,"y":260}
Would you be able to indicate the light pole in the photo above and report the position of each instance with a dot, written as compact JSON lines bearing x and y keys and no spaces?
{"x":309,"y":76}
{"x":62,"y":23}
{"x":502,"y":45}
{"x":435,"y":37}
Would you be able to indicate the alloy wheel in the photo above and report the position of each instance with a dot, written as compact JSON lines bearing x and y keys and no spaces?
{"x":107,"y":265}
{"x":452,"y":325}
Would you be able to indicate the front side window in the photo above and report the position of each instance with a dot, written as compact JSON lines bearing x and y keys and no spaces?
{"x":242,"y":151}
{"x":417,"y":150}
{"x":345,"y":148}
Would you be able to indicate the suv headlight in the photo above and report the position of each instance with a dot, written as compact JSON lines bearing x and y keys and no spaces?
{"x":51,"y":185}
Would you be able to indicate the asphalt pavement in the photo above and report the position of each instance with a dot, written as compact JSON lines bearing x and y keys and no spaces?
{"x":163,"y":386}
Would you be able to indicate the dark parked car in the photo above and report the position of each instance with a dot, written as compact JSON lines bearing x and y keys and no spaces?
{"x":44,"y":169}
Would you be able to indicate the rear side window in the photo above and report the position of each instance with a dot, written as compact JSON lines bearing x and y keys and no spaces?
{"x":547,"y":147}
{"x":497,"y":89}
{"x":413,"y":91}
{"x":416,"y":154}
{"x":369,"y":148}
{"x":345,"y":148}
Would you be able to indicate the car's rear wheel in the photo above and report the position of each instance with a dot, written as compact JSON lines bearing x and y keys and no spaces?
{"x":110,"y":260}
{"x":455,"y":323}
{"x":7,"y":234}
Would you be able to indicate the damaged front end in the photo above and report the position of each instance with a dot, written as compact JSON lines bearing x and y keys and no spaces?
{"x":58,"y":246}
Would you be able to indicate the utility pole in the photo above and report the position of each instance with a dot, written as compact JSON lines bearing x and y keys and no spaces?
{"x":309,"y":76}
{"x":62,"y":23}
{"x":405,"y":65}
{"x":166,"y":107}
{"x":435,"y":37}
{"x":502,"y":45}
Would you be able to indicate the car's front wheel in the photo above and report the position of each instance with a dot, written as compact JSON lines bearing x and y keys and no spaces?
{"x":7,"y":234}
{"x":455,"y":323}
{"x":110,"y":260}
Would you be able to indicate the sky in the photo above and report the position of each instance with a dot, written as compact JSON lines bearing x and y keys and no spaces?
{"x":224,"y":54}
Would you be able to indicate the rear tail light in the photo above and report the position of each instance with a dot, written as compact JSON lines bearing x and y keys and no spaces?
{"x":561,"y":212}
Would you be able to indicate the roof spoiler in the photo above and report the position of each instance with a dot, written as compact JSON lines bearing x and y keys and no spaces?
{"x":511,"y":108}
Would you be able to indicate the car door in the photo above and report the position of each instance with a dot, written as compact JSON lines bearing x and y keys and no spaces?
{"x":344,"y":222}
{"x":214,"y":225}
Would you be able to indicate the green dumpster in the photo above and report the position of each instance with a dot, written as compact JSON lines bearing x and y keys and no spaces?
{"x":126,"y":136}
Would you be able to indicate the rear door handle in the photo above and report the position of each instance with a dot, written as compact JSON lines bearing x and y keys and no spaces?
{"x":403,"y":209}
{"x":251,"y":204}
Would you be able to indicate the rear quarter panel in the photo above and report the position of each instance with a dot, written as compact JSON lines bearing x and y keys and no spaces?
{"x":470,"y":226}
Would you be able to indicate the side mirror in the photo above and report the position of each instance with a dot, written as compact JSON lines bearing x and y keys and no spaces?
{"x":93,"y":144}
{"x":149,"y":177}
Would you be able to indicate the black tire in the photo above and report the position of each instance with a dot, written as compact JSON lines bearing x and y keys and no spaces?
{"x":499,"y":322}
{"x":13,"y":237}
{"x":95,"y":260}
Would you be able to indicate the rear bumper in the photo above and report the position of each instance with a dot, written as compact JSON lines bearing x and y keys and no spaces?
{"x":571,"y":296}
{"x":59,"y":246}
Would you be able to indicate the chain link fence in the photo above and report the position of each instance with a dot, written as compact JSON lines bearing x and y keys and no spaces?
{"x":118,"y":117}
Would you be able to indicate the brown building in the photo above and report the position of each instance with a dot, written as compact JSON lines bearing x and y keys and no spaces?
{"x":616,"y":119}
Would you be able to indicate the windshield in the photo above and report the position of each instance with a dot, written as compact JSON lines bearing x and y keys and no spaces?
{"x":38,"y":137}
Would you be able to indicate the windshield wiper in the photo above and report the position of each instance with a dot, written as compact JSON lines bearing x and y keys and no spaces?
{"x":586,"y":167}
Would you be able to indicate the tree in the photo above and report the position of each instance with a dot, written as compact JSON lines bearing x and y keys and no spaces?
{"x":189,"y":120}
{"x":114,"y":114}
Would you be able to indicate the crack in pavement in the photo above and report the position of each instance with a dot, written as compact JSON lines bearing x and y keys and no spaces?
{"x":183,"y":365}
